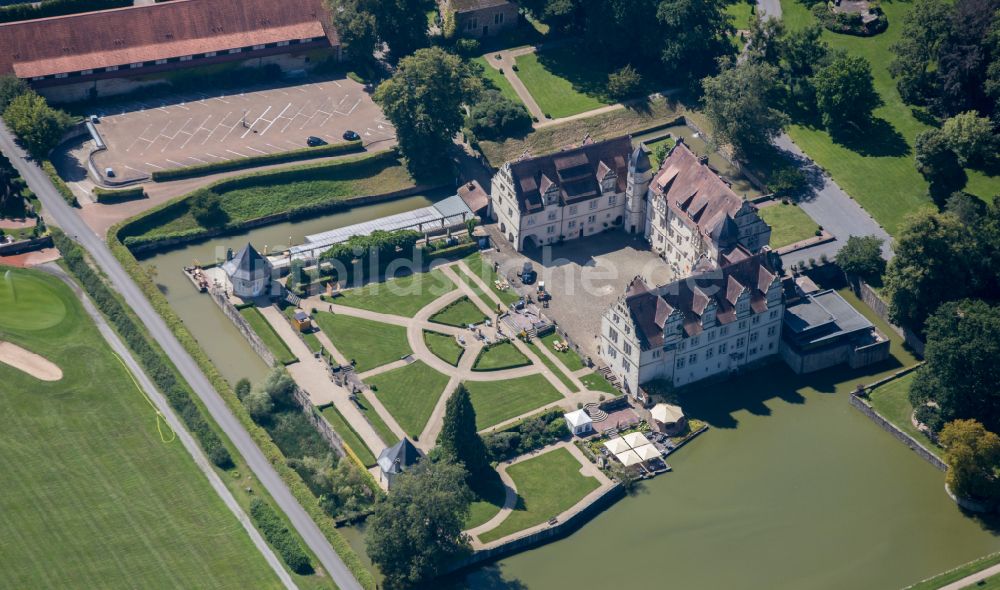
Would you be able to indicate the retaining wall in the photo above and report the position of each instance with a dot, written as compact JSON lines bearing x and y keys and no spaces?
{"x":29,"y":245}
{"x":881,"y":309}
{"x":319,"y":423}
{"x":891,"y":428}
{"x":258,"y":346}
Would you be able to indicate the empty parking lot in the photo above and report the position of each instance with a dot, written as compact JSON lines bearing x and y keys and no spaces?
{"x":202,"y":127}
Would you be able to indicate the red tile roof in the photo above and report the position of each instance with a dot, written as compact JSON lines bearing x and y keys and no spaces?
{"x":134,"y":34}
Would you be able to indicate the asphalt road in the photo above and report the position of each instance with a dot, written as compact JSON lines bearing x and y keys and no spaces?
{"x":57,"y":211}
{"x":174,"y":423}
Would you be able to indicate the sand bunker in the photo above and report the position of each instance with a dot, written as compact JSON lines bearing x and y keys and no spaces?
{"x":35,"y":365}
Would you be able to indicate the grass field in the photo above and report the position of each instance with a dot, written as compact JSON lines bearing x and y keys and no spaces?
{"x":348,"y":435}
{"x":484,"y":270}
{"x":547,"y":485}
{"x":460,"y":313}
{"x":962,"y":571}
{"x":561,"y":82}
{"x":789,"y":224}
{"x":92,"y":497}
{"x":410,"y":394}
{"x":557,"y":370}
{"x":381,"y":428}
{"x":569,"y":358}
{"x":444,"y":347}
{"x":403,"y":296}
{"x":497,"y":401}
{"x":879,"y":170}
{"x":494,"y":78}
{"x":596,"y":382}
{"x":487,"y":502}
{"x":267,"y":334}
{"x":370,"y":344}
{"x":500,"y":356}
{"x":893,"y":402}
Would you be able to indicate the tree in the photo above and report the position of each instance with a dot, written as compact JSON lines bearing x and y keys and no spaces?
{"x":356,"y":28}
{"x":416,"y":531}
{"x":764,"y":44}
{"x":861,"y":256}
{"x":242,"y":388}
{"x":971,"y":138}
{"x":964,"y":58}
{"x":207,"y":210}
{"x":624,"y":82}
{"x":931,"y":265}
{"x":802,"y":53}
{"x":10,"y":88}
{"x":915,"y":54}
{"x":937,"y":163}
{"x":423,"y":100}
{"x":39,"y":126}
{"x":259,"y":404}
{"x":459,"y":437}
{"x":969,"y":209}
{"x":738,"y":104}
{"x":296,"y":274}
{"x":364,"y":24}
{"x":279,"y":386}
{"x":961,"y":372}
{"x":695,"y":35}
{"x":973,"y":457}
{"x":495,"y":116}
{"x":845,"y":93}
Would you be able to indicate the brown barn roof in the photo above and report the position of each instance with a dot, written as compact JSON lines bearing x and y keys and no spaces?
{"x":474,"y":196}
{"x":159,"y":31}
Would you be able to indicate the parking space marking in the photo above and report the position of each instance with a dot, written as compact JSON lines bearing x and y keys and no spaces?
{"x":214,"y":129}
{"x":256,"y":150}
{"x":175,"y":163}
{"x":153,"y":165}
{"x":283,"y":111}
{"x":135,"y":169}
{"x":250,"y":127}
{"x":237,"y":153}
{"x":219,"y":157}
{"x":197,"y":159}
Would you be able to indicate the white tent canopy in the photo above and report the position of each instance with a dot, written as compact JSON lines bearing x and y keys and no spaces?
{"x":636,"y":439}
{"x":617,"y":445}
{"x":647,"y":452}
{"x":629,"y":458}
{"x":666,"y":413}
{"x":578,"y":419}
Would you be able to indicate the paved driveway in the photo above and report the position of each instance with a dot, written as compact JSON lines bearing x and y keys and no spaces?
{"x":202,"y":127}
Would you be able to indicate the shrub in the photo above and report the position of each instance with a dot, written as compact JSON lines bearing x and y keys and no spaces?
{"x":59,"y":183}
{"x":206,"y":207}
{"x":467,"y":47}
{"x":624,"y":82}
{"x":787,"y":183}
{"x":495,"y":116}
{"x":278,"y":535}
{"x":251,"y":161}
{"x":525,"y":436}
{"x":102,"y":195}
{"x":971,"y":138}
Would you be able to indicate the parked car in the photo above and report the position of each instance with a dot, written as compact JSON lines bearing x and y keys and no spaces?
{"x":313,"y":141}
{"x":528,"y":274}
{"x":109,"y":172}
{"x":351,"y":135}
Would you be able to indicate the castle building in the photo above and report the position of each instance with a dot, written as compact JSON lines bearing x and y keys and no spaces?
{"x":248,"y":272}
{"x":710,"y":323}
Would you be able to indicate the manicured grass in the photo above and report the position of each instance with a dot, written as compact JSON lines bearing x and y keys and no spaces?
{"x":497,"y":80}
{"x":444,"y":347}
{"x":879,"y":170}
{"x":558,"y":371}
{"x":568,"y":357}
{"x":497,"y":401}
{"x":500,"y":356}
{"x":547,"y":485}
{"x":348,"y":435}
{"x":403,"y":296}
{"x":308,"y":337}
{"x":945,"y":578}
{"x":370,"y":344}
{"x":410,"y":394}
{"x":381,"y":428}
{"x":265,"y":193}
{"x":596,"y":382}
{"x":267,"y":334}
{"x":489,"y":498}
{"x":789,"y":224}
{"x":653,"y":146}
{"x":484,"y":270}
{"x":460,"y":313}
{"x":893,"y":402}
{"x":562,"y":81}
{"x":741,"y":12}
{"x":91,"y":496}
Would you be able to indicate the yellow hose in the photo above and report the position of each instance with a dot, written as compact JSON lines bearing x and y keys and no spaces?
{"x":161,"y":420}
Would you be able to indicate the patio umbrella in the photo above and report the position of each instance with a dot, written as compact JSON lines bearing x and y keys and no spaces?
{"x":647,"y":452}
{"x":617,"y":445}
{"x":666,"y":413}
{"x":636,"y":439}
{"x":629,"y":458}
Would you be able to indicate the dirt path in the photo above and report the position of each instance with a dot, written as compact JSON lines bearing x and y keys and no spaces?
{"x":33,"y":364}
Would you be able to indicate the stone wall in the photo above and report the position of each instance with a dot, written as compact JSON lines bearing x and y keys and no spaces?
{"x":28,"y":245}
{"x":319,"y":423}
{"x":258,"y":346}
{"x":881,"y":309}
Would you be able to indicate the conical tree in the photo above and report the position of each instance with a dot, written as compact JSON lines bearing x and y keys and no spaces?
{"x":459,"y":437}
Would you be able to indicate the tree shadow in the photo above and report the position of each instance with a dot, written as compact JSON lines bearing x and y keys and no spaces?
{"x":488,"y":577}
{"x":876,"y":138}
{"x":924,"y":116}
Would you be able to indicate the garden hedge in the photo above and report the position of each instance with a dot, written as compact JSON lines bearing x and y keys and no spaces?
{"x":278,"y":535}
{"x":333,"y":149}
{"x":102,"y":195}
{"x":59,"y":183}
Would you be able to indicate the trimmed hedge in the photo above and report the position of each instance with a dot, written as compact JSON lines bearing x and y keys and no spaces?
{"x":102,"y":195}
{"x":292,"y":479}
{"x":251,"y":161}
{"x":278,"y":535}
{"x":47,"y":8}
{"x":59,"y":183}
{"x":159,"y":371}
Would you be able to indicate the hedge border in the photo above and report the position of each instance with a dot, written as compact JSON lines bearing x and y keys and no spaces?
{"x":333,"y":149}
{"x":103,"y":195}
{"x":60,"y":184}
{"x":260,"y":436}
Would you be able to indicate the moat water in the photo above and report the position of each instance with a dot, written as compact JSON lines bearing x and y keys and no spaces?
{"x":790,"y":488}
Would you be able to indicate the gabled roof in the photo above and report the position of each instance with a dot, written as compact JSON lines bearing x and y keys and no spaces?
{"x":398,"y":457}
{"x":134,"y":34}
{"x":473,"y":5}
{"x":247,"y":265}
{"x":576,"y":173}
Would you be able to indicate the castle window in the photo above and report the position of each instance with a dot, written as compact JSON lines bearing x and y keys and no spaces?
{"x":680,"y":362}
{"x":709,"y":353}
{"x":593,"y":204}
{"x":592,"y":219}
{"x":756,"y":320}
{"x":693,"y":358}
{"x":612,"y":335}
{"x":572,"y":223}
{"x":723,"y":347}
{"x":774,"y":314}
{"x":743,"y":325}
{"x":552,"y":215}
{"x":572,"y":210}
{"x":550,"y":229}
{"x":612,"y":199}
{"x":771,"y":331}
{"x":740,"y":342}
{"x":723,"y":330}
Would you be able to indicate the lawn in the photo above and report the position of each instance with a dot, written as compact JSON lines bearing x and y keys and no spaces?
{"x":308,"y":337}
{"x":348,"y":435}
{"x":267,"y":334}
{"x":962,"y":571}
{"x":484,"y":270}
{"x":410,"y":394}
{"x":497,"y":80}
{"x":741,"y":12}
{"x":561,"y":82}
{"x":789,"y":224}
{"x":488,"y":500}
{"x":558,"y":371}
{"x":547,"y":485}
{"x":444,"y":347}
{"x":500,"y":356}
{"x":893,"y":402}
{"x":370,"y":344}
{"x":381,"y":428}
{"x":92,"y":497}
{"x":596,"y":382}
{"x":568,"y":357}
{"x":497,"y":401}
{"x":259,"y":194}
{"x":403,"y":296}
{"x":668,"y":142}
{"x":459,"y":313}
{"x":879,"y":171}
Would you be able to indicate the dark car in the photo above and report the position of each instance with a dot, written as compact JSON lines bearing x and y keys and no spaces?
{"x":313,"y":141}
{"x":351,"y":135}
{"x":528,"y":274}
